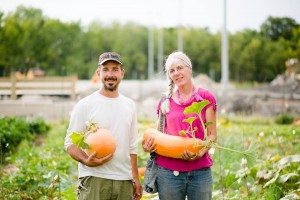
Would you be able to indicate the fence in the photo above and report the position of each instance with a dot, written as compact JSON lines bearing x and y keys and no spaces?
{"x":58,"y":85}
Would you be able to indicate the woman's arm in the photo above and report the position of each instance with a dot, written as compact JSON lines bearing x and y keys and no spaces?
{"x":211,"y":116}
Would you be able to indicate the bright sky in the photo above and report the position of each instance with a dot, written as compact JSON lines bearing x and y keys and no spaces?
{"x":241,"y":14}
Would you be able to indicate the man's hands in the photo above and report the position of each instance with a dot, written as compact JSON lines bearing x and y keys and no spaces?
{"x":137,"y":189}
{"x":93,"y":161}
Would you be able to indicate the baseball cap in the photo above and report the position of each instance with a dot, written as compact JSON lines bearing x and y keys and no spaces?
{"x":109,"y":56}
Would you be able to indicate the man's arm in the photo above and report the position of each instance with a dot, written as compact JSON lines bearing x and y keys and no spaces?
{"x":137,"y":187}
{"x":80,"y":156}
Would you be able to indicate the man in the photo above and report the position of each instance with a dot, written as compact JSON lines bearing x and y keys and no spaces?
{"x":116,"y":175}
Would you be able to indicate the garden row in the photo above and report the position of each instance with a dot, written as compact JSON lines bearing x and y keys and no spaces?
{"x":47,"y":172}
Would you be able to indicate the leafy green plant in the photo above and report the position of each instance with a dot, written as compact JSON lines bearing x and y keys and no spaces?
{"x":42,"y":172}
{"x":284,"y":118}
{"x":196,"y":108}
{"x":78,"y":138}
{"x":13,"y":130}
{"x":38,"y":126}
{"x":279,"y":148}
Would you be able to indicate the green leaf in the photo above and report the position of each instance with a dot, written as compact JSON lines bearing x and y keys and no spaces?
{"x":208,"y":123}
{"x":196,"y":107}
{"x":83,"y":145}
{"x":182,"y":132}
{"x":289,"y":159}
{"x":284,"y":178}
{"x":78,"y":140}
{"x":273,"y":179}
{"x":189,"y":120}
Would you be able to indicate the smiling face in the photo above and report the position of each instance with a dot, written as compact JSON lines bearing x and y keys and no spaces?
{"x":111,"y":73}
{"x":179,"y":73}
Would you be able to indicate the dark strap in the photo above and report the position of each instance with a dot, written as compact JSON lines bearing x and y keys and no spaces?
{"x":162,"y":116}
{"x":162,"y":122}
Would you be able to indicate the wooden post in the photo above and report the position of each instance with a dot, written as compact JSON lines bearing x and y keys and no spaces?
{"x":73,"y":90}
{"x":13,"y":95}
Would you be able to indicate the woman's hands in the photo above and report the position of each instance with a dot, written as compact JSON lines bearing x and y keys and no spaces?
{"x":149,"y":146}
{"x":190,"y":156}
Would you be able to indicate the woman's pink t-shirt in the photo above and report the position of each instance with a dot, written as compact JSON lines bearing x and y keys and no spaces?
{"x":174,"y":124}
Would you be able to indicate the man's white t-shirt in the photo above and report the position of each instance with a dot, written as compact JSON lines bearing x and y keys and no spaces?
{"x":117,"y":115}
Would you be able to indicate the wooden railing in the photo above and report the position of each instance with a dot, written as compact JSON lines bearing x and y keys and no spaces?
{"x":58,"y":85}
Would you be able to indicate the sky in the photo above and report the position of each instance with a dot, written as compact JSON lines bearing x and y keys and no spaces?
{"x":241,"y":14}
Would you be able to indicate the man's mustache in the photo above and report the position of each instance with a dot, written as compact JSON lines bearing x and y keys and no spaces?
{"x":112,"y":78}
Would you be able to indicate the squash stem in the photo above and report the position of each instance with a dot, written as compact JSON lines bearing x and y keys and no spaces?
{"x":232,"y":150}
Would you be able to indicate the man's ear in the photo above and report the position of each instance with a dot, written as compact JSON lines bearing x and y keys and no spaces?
{"x":98,"y":72}
{"x":123,"y":72}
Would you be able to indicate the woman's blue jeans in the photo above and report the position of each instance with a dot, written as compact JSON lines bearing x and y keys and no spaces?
{"x":195,"y":185}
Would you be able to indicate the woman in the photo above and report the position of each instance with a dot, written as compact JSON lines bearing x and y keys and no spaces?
{"x":189,"y":176}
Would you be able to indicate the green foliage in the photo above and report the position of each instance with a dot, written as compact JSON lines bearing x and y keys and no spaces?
{"x":276,"y":27}
{"x":78,"y":140}
{"x":37,"y":167}
{"x":13,"y":130}
{"x":284,"y":177}
{"x":196,"y":107}
{"x":273,"y":175}
{"x":273,"y":192}
{"x":38,"y":126}
{"x":275,"y":172}
{"x":284,"y":118}
{"x":37,"y":41}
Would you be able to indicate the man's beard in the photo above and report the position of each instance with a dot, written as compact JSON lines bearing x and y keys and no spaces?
{"x":110,"y":86}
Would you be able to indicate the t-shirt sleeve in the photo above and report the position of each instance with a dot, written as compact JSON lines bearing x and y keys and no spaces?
{"x":77,"y":123}
{"x":206,"y":94}
{"x":134,"y":132}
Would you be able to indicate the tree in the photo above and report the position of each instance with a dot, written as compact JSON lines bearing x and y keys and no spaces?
{"x":204,"y":50}
{"x":276,"y":27}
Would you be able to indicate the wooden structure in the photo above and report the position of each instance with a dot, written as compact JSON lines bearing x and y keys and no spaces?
{"x":292,"y":68}
{"x":56,"y":86}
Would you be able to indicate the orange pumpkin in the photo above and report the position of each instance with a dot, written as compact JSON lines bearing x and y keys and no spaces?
{"x":141,"y":171}
{"x":172,"y":146}
{"x":101,"y":141}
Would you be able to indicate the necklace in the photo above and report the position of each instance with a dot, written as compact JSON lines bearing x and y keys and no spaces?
{"x":189,"y":100}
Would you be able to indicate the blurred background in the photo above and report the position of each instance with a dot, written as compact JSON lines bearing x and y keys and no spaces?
{"x":232,"y":44}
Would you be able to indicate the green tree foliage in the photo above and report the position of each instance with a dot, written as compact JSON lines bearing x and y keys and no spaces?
{"x":28,"y":40}
{"x":60,"y":47}
{"x":276,"y":27}
{"x":205,"y":50}
{"x":31,"y":40}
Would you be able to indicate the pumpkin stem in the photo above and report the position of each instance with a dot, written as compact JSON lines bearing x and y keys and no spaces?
{"x":78,"y":138}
